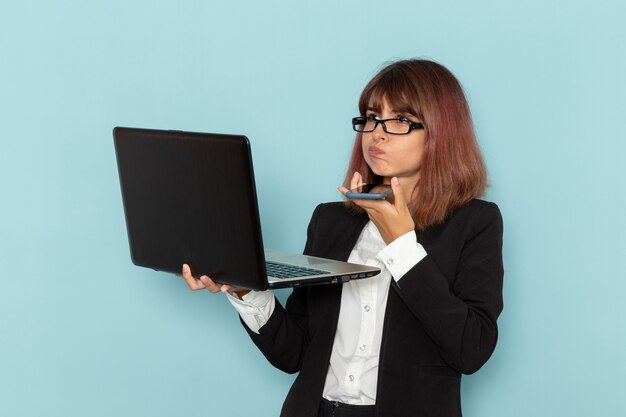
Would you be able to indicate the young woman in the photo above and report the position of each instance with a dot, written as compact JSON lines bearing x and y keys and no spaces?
{"x":395,"y":344}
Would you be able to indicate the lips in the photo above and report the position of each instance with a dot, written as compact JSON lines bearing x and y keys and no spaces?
{"x":374,"y":151}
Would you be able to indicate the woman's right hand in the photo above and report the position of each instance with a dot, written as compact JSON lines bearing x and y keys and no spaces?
{"x":206,"y":283}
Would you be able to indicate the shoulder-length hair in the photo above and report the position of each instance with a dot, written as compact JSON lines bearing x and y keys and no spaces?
{"x":452,"y":168}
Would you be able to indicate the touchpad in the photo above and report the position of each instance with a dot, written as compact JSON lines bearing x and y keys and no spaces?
{"x":302,"y":260}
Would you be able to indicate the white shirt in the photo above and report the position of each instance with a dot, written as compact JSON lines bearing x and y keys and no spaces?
{"x":353,"y":369}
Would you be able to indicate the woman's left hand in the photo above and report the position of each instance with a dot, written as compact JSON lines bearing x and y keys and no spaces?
{"x":392,"y":219}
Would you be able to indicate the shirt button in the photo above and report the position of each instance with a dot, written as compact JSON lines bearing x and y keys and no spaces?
{"x":351,"y":378}
{"x":389,"y":261}
{"x":362,"y":347}
{"x":367,"y":309}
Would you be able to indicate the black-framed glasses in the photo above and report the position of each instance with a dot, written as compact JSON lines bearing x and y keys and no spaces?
{"x":398,"y":126}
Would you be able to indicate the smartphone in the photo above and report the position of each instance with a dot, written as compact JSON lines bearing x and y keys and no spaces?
{"x":370,"y":191}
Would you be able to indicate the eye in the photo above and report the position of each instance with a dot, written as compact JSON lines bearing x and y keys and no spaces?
{"x":371,"y":117}
{"x":404,"y":119}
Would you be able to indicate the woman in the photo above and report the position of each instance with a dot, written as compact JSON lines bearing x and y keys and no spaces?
{"x":395,"y":344}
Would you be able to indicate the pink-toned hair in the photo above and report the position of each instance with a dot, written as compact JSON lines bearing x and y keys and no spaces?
{"x":452,"y":168}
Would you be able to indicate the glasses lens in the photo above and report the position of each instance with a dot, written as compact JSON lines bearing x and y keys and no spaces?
{"x":398,"y":126}
{"x":361,"y":124}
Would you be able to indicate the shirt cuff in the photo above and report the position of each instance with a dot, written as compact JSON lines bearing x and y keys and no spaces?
{"x":402,"y":254}
{"x":255,"y":309}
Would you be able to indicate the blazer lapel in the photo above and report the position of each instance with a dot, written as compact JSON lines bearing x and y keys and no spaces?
{"x":347,"y":236}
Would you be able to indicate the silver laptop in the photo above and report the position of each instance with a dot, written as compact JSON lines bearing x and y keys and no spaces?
{"x":191,"y":198}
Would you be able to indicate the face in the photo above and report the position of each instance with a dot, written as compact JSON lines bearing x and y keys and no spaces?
{"x":391,"y":155}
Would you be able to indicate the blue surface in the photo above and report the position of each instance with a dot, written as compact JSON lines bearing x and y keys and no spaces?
{"x":85,"y":333}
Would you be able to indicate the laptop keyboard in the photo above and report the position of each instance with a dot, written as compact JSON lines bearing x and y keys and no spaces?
{"x":282,"y":271}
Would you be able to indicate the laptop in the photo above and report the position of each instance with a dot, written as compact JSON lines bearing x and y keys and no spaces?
{"x":191,"y":198}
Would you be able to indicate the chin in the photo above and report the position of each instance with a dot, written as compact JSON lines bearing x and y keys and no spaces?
{"x":377,"y":170}
{"x":382,"y":172}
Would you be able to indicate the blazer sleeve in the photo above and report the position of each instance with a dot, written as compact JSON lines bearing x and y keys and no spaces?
{"x":459,"y":312}
{"x":284,"y":339}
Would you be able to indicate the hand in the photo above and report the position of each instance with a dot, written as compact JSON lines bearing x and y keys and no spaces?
{"x":206,"y":283}
{"x":392,"y":219}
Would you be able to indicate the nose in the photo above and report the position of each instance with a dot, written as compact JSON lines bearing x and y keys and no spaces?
{"x":379,"y":133}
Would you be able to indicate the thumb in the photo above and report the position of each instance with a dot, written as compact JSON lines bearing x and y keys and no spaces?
{"x":398,"y":195}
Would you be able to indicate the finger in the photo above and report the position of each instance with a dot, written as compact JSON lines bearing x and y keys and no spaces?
{"x":356,"y":181}
{"x":226,"y":288}
{"x":209,"y":284}
{"x":186,"y":271}
{"x":343,"y":190}
{"x":192,"y":283}
{"x":398,"y":195}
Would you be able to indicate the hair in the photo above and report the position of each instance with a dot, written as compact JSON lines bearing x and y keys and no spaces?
{"x":452,"y":169}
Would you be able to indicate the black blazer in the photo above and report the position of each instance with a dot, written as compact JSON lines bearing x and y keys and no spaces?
{"x":440,"y":319}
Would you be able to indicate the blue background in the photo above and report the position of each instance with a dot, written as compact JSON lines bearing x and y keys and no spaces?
{"x":85,"y":333}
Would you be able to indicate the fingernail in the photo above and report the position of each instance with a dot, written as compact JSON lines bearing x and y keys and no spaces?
{"x":395,"y":181}
{"x":185,"y":268}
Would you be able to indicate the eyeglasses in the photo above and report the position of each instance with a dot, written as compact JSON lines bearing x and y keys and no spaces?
{"x":397,"y":126}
